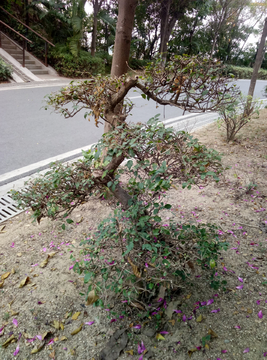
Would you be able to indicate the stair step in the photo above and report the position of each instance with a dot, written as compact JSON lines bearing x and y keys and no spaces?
{"x":40,"y":72}
{"x":33,"y":67}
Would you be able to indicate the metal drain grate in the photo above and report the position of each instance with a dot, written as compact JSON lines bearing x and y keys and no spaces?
{"x":8,"y":208}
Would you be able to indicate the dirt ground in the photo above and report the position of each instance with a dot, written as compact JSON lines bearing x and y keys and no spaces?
{"x":40,"y":303}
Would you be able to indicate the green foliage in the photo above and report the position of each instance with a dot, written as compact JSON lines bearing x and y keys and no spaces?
{"x":135,"y":251}
{"x":237,"y":114}
{"x":69,"y":65}
{"x":5,"y":71}
{"x":244,"y":72}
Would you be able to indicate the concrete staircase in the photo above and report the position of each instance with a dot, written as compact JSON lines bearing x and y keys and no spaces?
{"x":31,"y":63}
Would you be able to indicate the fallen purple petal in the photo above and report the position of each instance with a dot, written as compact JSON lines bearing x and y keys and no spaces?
{"x":260,"y":315}
{"x":177,"y":311}
{"x":184,"y":318}
{"x":210,"y":301}
{"x":240,"y":287}
{"x":16,"y":351}
{"x":89,"y":323}
{"x":258,"y":302}
{"x":15,"y":322}
{"x":240,"y":279}
{"x":215,"y":310}
{"x":203,"y":303}
{"x":39,"y":337}
{"x":224,"y":351}
{"x":265,"y":354}
{"x":246,"y":351}
{"x":113,"y":320}
{"x":12,"y":245}
{"x":137,"y":326}
{"x":164,"y":332}
{"x":71,"y":267}
{"x":237,"y":327}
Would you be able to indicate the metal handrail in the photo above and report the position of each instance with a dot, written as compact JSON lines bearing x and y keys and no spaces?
{"x":24,"y":41}
{"x":36,"y":33}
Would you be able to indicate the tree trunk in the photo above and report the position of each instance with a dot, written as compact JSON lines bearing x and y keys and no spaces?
{"x":258,"y":61}
{"x":97,"y":6}
{"x":122,"y":42}
{"x":93,"y":44}
{"x":164,"y":17}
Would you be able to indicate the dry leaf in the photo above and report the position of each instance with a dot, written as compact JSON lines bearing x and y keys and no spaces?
{"x":152,"y":265}
{"x":61,"y":326}
{"x":38,"y":348}
{"x":190,"y":352}
{"x":212,"y":333}
{"x":188,"y":296}
{"x":13,"y":271}
{"x":2,"y":228}
{"x":207,"y":346}
{"x":52,"y":254}
{"x":76,"y":315}
{"x":92,"y":297}
{"x":199,"y":318}
{"x":1,"y":284}
{"x":172,"y":322}
{"x":63,"y":338}
{"x":24,"y":282}
{"x":14,"y":313}
{"x":52,"y":354}
{"x":55,"y":324}
{"x":44,"y":263}
{"x":8,"y":341}
{"x":19,"y":254}
{"x":5,"y":276}
{"x":160,"y":337}
{"x":79,"y":221}
{"x":72,"y":351}
{"x":135,"y":268}
{"x":76,"y":331}
{"x":35,"y":275}
{"x":67,"y":315}
{"x":138,"y":306}
{"x":130,"y":352}
{"x":249,"y":311}
{"x":47,"y":333}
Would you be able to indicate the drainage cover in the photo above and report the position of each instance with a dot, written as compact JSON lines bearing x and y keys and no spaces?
{"x":8,"y":208}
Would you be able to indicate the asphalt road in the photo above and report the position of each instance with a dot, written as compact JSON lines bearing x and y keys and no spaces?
{"x":29,"y":134}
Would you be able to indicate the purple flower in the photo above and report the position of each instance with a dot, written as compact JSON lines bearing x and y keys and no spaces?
{"x":210,"y":301}
{"x":141,"y":348}
{"x":215,"y":310}
{"x":137,"y":326}
{"x":89,"y":323}
{"x":260,"y":315}
{"x":240,"y":279}
{"x":240,"y":287}
{"x":184,"y":318}
{"x":246,"y":351}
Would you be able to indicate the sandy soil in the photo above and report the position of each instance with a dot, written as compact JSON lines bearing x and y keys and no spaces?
{"x":42,"y":301}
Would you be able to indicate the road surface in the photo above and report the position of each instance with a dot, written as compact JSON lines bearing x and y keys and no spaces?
{"x":30,"y":134}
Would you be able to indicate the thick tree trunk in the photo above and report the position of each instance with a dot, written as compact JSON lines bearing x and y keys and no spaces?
{"x":122,"y":42}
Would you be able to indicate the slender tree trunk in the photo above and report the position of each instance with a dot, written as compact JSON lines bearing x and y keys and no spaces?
{"x":122,"y":45}
{"x":97,"y":6}
{"x":93,"y":44}
{"x":258,"y":60}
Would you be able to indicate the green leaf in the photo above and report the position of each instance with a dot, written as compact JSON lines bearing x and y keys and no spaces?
{"x":143,"y":96}
{"x":69,"y":221}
